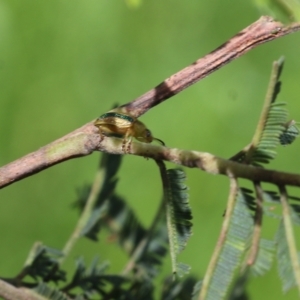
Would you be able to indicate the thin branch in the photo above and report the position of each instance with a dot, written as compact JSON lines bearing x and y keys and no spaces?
{"x":222,"y":238}
{"x":86,"y":139}
{"x":257,"y":225}
{"x":290,"y":236}
{"x":81,"y":142}
{"x":213,"y":164}
{"x":143,"y":244}
{"x":272,"y":91}
{"x":85,"y":214}
{"x":24,"y":272}
{"x":263,"y":30}
{"x":9,"y":292}
{"x":246,"y":154}
{"x":191,"y":159}
{"x":170,"y":225}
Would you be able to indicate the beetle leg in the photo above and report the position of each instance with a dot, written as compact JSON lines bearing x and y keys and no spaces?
{"x":126,"y":145}
{"x":101,"y":134}
{"x":125,"y":142}
{"x":123,"y":145}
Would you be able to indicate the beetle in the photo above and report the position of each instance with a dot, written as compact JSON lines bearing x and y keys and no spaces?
{"x":115,"y":123}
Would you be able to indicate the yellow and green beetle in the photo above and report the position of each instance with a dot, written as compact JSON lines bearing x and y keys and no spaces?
{"x":117,"y":123}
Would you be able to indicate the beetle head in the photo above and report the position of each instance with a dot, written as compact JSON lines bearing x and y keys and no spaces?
{"x":141,"y":133}
{"x":145,"y":136}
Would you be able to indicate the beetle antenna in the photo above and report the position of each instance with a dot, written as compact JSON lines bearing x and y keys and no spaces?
{"x":160,"y":141}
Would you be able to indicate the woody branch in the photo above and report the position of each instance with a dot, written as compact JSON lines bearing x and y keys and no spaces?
{"x":85,"y":140}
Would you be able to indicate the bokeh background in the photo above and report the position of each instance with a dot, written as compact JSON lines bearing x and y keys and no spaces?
{"x":63,"y":63}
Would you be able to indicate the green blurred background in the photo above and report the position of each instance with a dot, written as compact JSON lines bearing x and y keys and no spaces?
{"x":63,"y":63}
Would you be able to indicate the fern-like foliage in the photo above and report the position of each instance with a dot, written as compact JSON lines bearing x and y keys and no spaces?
{"x":178,"y":289}
{"x":123,"y":224}
{"x":155,"y":249}
{"x":290,"y":133}
{"x":107,"y":180}
{"x":271,"y":123}
{"x":86,"y":283}
{"x":249,"y":199}
{"x":93,"y":280}
{"x":265,"y":257}
{"x":272,"y":205}
{"x":285,"y":268}
{"x":146,"y":247}
{"x":271,"y":133}
{"x":127,"y":230}
{"x":281,"y":245}
{"x":179,"y":217}
{"x":238,"y":290}
{"x":295,"y":213}
{"x":43,"y":264}
{"x":274,"y":198}
{"x":50,"y":293}
{"x":233,"y":248}
{"x":272,"y":128}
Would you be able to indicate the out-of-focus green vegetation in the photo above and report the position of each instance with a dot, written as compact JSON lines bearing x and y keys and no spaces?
{"x":285,"y":10}
{"x":63,"y":63}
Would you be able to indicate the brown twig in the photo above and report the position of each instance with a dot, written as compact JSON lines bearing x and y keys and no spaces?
{"x":86,"y":139}
{"x":263,"y":30}
{"x":191,"y":159}
{"x":258,"y":217}
{"x":222,"y":238}
{"x":80,"y":142}
{"x":9,"y":292}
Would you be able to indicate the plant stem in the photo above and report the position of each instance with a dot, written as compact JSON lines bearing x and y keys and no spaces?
{"x":9,"y":292}
{"x":257,"y":225}
{"x":222,"y":238}
{"x":83,"y":141}
{"x":261,"y":31}
{"x":269,"y":99}
{"x":92,"y":198}
{"x":142,"y":246}
{"x":290,"y":237}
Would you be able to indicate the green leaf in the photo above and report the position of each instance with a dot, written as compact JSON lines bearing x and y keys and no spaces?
{"x":178,"y":289}
{"x":123,"y":224}
{"x":103,"y":188}
{"x":50,"y":293}
{"x":286,"y":241}
{"x":178,"y":216}
{"x":146,"y":247}
{"x":249,"y":200}
{"x":294,"y":209}
{"x":272,"y":130}
{"x":285,"y":266}
{"x":196,"y":290}
{"x":92,"y":227}
{"x":273,"y":197}
{"x":156,"y":248}
{"x":290,"y":133}
{"x":264,"y":258}
{"x":233,"y":248}
{"x":272,"y":126}
{"x":44,"y":264}
{"x":238,"y":291}
{"x":93,"y":280}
